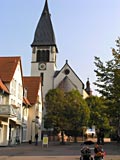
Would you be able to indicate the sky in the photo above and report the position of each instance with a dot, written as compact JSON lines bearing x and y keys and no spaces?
{"x":83,"y":29}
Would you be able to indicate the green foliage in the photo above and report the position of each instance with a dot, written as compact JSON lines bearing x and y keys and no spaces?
{"x":108,"y":83}
{"x":98,"y":112}
{"x":55,"y":109}
{"x":108,"y":75}
{"x":66,"y":111}
{"x":77,"y":111}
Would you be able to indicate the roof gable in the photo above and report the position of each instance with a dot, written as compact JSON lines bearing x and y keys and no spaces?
{"x":64,"y":67}
{"x":8,"y":66}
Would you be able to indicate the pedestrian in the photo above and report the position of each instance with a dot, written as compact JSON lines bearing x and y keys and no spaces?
{"x":86,"y":154}
{"x":102,"y":136}
{"x":36,"y":139}
{"x":92,"y":135}
{"x":99,"y":153}
{"x":98,"y":136}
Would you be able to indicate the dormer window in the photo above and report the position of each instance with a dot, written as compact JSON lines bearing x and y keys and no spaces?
{"x":43,"y":56}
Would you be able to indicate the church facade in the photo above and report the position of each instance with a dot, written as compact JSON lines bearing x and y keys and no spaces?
{"x":44,"y":55}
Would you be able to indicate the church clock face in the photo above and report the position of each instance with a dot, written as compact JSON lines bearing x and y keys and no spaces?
{"x":41,"y":66}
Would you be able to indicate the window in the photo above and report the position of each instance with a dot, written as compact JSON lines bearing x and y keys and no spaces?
{"x":67,"y":71}
{"x":20,"y":92}
{"x":13,"y":87}
{"x":24,"y":112}
{"x":1,"y":99}
{"x":43,"y":56}
{"x":42,"y":78}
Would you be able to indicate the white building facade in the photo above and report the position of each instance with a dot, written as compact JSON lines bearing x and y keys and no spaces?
{"x":11,"y":108}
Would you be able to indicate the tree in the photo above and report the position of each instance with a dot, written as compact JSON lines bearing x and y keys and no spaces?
{"x":54,"y":117}
{"x":108,"y":83}
{"x":98,"y":112}
{"x":66,"y":111}
{"x":77,"y":113}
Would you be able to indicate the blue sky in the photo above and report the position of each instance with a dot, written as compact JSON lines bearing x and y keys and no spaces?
{"x":83,"y":29}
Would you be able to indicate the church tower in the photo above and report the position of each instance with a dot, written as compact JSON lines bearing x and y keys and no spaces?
{"x":44,"y":50}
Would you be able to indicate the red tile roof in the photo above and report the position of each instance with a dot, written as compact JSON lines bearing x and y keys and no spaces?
{"x":3,"y":87}
{"x":32,"y":85}
{"x":7,"y":67}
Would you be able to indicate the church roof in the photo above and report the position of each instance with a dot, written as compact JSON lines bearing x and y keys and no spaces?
{"x":56,"y":73}
{"x":67,"y":65}
{"x":67,"y":85}
{"x":44,"y":34}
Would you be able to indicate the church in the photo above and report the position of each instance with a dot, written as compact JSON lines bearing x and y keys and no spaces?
{"x":44,"y":55}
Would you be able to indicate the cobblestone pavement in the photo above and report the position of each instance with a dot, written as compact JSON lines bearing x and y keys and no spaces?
{"x":54,"y":151}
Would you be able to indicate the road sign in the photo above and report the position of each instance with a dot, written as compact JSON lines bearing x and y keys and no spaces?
{"x":45,"y":140}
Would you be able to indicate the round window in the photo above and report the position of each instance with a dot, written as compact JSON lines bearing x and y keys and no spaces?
{"x":67,"y":71}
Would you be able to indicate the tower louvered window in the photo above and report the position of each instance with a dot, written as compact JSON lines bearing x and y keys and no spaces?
{"x":43,"y":56}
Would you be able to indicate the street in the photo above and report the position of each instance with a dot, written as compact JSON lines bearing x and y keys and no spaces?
{"x":55,"y":151}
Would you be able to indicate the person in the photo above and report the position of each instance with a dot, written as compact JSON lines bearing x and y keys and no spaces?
{"x":92,"y":135}
{"x":86,"y":153}
{"x":102,"y":135}
{"x":99,"y":153}
{"x":36,"y":139}
{"x":98,"y":136}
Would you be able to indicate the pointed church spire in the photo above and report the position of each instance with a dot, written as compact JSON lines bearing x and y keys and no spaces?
{"x":46,"y":9}
{"x":44,"y":34}
{"x":88,"y":89}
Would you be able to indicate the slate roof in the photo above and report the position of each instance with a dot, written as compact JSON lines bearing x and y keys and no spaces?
{"x":56,"y":73}
{"x":32,"y":85}
{"x":44,"y":34}
{"x":67,"y":85}
{"x":7,"y":67}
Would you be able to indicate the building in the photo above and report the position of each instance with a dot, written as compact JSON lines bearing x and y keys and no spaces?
{"x":11,"y":100}
{"x":34,"y":117}
{"x":44,"y":55}
{"x":25,"y":116}
{"x":20,"y":103}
